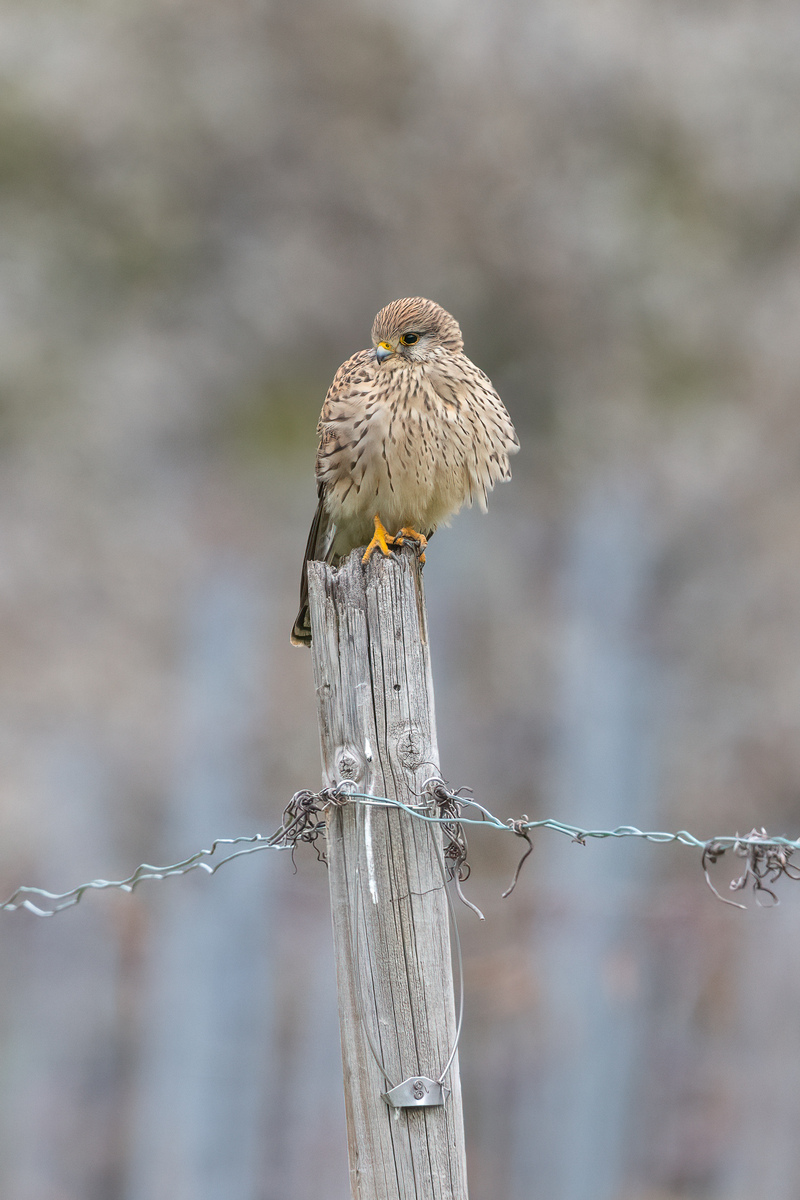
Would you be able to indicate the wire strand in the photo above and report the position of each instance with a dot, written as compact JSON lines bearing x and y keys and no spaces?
{"x":767,"y":856}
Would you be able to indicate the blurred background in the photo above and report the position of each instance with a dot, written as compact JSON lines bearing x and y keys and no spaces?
{"x":203,"y":203}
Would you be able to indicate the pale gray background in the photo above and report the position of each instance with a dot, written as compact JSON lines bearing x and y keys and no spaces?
{"x":202,"y":205}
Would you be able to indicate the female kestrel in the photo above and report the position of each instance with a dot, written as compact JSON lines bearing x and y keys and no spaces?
{"x":410,"y":431}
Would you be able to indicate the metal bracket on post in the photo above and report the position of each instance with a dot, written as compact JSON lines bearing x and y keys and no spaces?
{"x":417,"y":1092}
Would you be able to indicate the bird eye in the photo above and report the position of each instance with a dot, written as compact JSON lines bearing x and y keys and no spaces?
{"x":408,"y":339}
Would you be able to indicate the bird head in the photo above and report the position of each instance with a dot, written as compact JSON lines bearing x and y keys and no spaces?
{"x":413,"y":329}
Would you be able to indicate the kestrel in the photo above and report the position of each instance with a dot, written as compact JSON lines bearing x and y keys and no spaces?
{"x":410,"y":431}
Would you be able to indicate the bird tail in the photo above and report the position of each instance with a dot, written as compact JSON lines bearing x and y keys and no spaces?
{"x":320,"y":540}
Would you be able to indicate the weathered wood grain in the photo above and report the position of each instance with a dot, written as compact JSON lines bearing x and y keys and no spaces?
{"x":378,"y":729}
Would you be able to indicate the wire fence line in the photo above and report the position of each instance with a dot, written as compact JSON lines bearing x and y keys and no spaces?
{"x":766,"y":858}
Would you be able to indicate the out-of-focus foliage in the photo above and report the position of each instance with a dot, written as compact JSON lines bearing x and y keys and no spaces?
{"x":202,"y":205}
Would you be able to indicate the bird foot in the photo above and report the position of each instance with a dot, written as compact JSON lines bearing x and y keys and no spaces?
{"x":419,"y":538}
{"x":381,"y":540}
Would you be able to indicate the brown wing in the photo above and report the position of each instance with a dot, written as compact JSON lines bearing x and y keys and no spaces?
{"x":320,"y":538}
{"x":354,"y":385}
{"x":346,"y":392}
{"x":482,"y":422}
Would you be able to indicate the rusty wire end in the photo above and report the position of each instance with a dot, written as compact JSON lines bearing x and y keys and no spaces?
{"x":449,"y":805}
{"x":521,"y":830}
{"x":764,"y":864}
{"x":464,"y":900}
{"x":304,"y":820}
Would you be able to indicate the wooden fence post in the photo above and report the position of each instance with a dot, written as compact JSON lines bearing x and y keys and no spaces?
{"x":378,"y":729}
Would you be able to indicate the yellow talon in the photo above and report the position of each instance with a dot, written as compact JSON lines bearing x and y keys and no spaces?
{"x":380,"y":541}
{"x":419,"y":538}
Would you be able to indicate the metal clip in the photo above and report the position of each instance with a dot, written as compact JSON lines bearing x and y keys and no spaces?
{"x":417,"y":1092}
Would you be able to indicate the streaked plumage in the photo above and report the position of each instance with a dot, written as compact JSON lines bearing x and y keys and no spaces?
{"x":410,"y":431}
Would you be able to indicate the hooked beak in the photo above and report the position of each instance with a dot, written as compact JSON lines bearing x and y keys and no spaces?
{"x":383,"y":351}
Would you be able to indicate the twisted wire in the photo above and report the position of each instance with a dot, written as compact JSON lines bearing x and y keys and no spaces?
{"x":304,"y":820}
